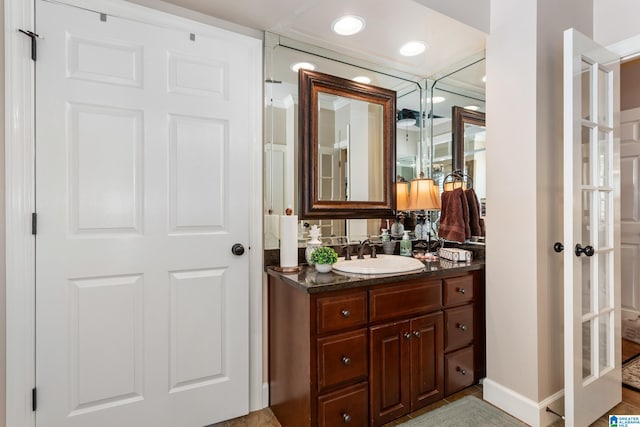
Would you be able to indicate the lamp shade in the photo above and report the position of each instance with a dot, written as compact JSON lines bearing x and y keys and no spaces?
{"x":402,"y":195}
{"x":423,"y":195}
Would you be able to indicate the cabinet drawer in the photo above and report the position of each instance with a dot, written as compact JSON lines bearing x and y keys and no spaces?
{"x":411,"y":297}
{"x":458,"y":370}
{"x":341,"y":311}
{"x":458,"y":290}
{"x":342,"y":358}
{"x":348,"y":407}
{"x":459,"y":327}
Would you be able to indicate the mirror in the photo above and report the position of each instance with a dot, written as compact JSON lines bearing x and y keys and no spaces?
{"x":469,"y":150}
{"x":347,"y":147}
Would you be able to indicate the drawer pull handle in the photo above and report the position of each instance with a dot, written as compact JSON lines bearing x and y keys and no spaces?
{"x":346,"y":360}
{"x":346,"y":418}
{"x":345,"y":313}
{"x":462,"y":290}
{"x":462,"y":327}
{"x":461,"y":371}
{"x":407,"y":335}
{"x":416,"y":334}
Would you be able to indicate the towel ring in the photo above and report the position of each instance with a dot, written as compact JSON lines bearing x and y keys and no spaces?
{"x":457,"y":176}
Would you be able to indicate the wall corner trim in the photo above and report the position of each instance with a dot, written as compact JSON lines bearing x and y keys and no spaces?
{"x":527,"y":410}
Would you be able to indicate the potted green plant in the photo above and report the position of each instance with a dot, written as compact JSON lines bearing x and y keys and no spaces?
{"x":322,"y":258}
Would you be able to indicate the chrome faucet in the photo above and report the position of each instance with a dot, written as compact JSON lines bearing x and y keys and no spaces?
{"x":361,"y":248}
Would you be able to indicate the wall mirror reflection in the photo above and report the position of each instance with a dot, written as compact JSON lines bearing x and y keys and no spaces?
{"x":424,"y":132}
{"x":281,"y":145}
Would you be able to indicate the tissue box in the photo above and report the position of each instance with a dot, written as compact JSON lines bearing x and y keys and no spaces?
{"x":454,"y":254}
{"x":631,"y":329}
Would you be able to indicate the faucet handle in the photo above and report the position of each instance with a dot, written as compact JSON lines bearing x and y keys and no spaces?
{"x":347,"y":252}
{"x":373,"y":247}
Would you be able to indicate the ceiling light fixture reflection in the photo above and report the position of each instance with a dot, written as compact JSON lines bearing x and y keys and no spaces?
{"x":302,"y":65}
{"x":472,"y":107}
{"x":413,"y":48}
{"x":348,"y":25}
{"x":362,"y":79}
{"x":436,"y":99}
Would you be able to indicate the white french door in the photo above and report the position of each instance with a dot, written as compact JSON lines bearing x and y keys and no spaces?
{"x":142,"y":310}
{"x":591,"y":230}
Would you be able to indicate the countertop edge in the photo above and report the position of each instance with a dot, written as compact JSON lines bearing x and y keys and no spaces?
{"x":310,"y":281}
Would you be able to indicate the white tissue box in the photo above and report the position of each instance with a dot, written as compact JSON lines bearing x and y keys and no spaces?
{"x":454,"y":254}
{"x":631,"y":329}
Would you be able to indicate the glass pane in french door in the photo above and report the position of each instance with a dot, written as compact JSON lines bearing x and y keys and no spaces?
{"x":586,"y":90}
{"x":604,"y":216}
{"x":604,"y":109}
{"x":586,"y":285}
{"x":586,"y":155}
{"x":586,"y":349}
{"x":604,"y":158}
{"x":604,"y":280}
{"x":604,"y":349}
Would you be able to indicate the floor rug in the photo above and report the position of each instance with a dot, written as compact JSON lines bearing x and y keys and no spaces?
{"x":631,"y":373}
{"x":466,"y":412}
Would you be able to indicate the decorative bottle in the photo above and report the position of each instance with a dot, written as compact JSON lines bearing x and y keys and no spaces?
{"x":405,"y":245}
{"x":313,"y":243}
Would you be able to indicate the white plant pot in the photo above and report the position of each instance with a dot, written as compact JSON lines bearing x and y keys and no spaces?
{"x":323,"y":268}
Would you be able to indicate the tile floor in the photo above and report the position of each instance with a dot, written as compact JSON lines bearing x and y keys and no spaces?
{"x":630,"y":404}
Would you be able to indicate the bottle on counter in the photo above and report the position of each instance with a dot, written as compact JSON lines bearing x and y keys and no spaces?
{"x":405,"y":245}
{"x":313,"y":243}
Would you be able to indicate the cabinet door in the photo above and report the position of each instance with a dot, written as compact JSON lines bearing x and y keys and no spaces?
{"x":389,"y":378}
{"x":427,"y":360}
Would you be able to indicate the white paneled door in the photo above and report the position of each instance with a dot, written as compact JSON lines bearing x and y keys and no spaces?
{"x":630,"y":211}
{"x":142,"y":136}
{"x":591,"y":230}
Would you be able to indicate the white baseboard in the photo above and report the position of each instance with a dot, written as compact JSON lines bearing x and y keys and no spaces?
{"x":529,"y":411}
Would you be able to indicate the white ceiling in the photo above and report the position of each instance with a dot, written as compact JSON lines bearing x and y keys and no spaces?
{"x":389,"y":24}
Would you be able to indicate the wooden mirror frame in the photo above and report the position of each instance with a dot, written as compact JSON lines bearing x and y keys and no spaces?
{"x":460,"y":117}
{"x":310,"y":83}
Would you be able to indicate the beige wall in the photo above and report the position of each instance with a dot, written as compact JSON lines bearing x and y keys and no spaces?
{"x":524,"y":197}
{"x":630,"y":85}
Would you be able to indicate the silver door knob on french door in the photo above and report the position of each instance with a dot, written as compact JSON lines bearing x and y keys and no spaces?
{"x":587,"y":250}
{"x":237,"y":249}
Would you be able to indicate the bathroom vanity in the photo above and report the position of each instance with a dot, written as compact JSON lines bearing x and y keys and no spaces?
{"x":363,"y":350}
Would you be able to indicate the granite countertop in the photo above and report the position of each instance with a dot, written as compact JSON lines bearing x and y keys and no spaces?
{"x":309,"y":280}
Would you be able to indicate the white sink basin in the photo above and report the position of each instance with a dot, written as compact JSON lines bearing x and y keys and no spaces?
{"x":383,"y":264}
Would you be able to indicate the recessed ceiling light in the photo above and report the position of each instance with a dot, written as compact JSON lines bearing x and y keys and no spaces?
{"x":348,"y":25}
{"x":484,"y":79}
{"x":413,"y":48}
{"x":436,"y":99}
{"x":472,"y":107}
{"x":304,"y":65}
{"x":362,"y":79}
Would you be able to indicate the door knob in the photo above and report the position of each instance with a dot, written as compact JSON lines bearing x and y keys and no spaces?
{"x":558,"y":247}
{"x":587,"y":250}
{"x":237,"y":249}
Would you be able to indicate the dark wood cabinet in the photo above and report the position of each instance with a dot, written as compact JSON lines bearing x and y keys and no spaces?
{"x":406,"y":366}
{"x":368,"y":355}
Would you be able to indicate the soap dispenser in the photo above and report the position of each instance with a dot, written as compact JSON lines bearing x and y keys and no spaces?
{"x":313,"y":243}
{"x":405,"y":245}
{"x":385,"y":235}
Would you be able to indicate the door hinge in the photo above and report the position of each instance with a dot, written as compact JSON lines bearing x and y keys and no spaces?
{"x":34,"y":223}
{"x":33,"y":36}
{"x":34,"y":399}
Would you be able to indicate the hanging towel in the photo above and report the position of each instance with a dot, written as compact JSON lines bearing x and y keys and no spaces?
{"x":454,"y":216}
{"x":474,"y":213}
